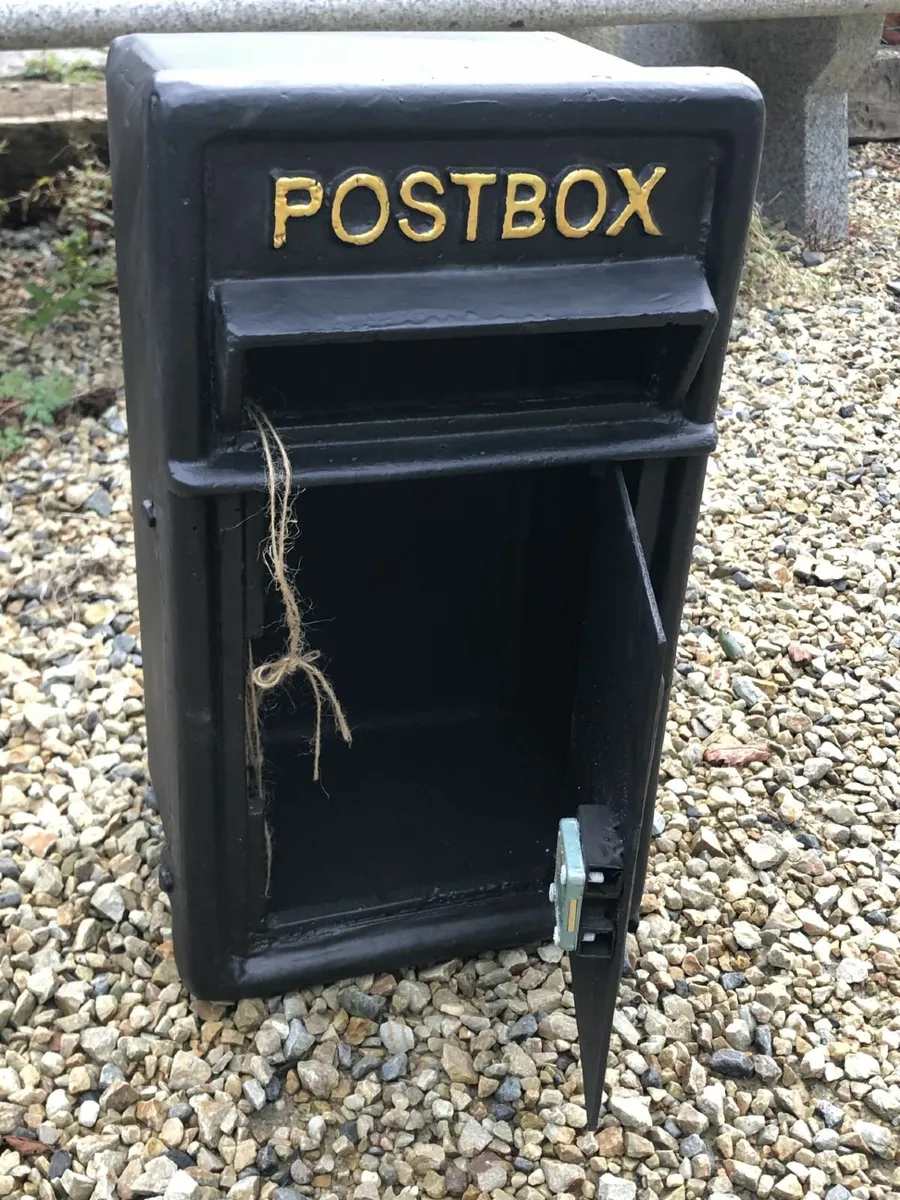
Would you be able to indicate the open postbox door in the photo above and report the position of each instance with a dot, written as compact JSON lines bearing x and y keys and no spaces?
{"x":450,"y":312}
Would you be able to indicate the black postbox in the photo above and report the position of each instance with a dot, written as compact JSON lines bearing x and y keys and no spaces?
{"x":476,"y":289}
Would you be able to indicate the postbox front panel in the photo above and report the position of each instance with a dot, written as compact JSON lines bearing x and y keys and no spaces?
{"x":313,"y":207}
{"x":335,"y":241}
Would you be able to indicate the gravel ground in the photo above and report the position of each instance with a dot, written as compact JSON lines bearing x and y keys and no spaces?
{"x":757,"y":1041}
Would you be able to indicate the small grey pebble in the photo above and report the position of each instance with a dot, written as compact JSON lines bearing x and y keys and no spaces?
{"x":121,"y":621}
{"x":182,"y":1111}
{"x":363,"y":1066}
{"x":763,"y":1039}
{"x":733,"y":1064}
{"x":838,"y":1192}
{"x":826,"y":1139}
{"x":118,"y":659}
{"x":100,"y":502}
{"x":652,"y":1079}
{"x":813,"y":258}
{"x":59,"y":1164}
{"x":300,"y":1172}
{"x":877,"y":918}
{"x":510,"y":1090}
{"x":525,"y":1027}
{"x":122,"y":771}
{"x":358,"y":1003}
{"x":299,"y":1040}
{"x":523,"y":1164}
{"x":125,"y":642}
{"x":110,"y":1072}
{"x":273,"y":1089}
{"x":266,"y":1160}
{"x":502,"y":1112}
{"x":692,"y":1146}
{"x":847,"y":410}
{"x":455,"y":1180}
{"x":766,"y":1068}
{"x":10,"y":899}
{"x":8,"y":868}
{"x":395,"y":1067}
{"x":100,"y":987}
{"x":350,"y":1130}
{"x":672,"y":1129}
{"x":285,"y":1193}
{"x":830,"y":1114}
{"x":732,"y":980}
{"x":181,"y":1158}
{"x":345,"y":1054}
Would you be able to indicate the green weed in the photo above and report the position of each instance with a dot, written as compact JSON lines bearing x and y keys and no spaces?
{"x":77,"y":281}
{"x":52,"y":69}
{"x":25,"y":401}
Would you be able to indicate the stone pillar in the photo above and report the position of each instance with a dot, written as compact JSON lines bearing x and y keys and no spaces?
{"x":804,"y":67}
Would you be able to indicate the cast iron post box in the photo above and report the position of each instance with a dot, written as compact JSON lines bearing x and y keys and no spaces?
{"x":455,"y":305}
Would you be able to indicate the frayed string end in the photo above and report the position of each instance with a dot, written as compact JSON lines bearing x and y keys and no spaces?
{"x":297,"y":656}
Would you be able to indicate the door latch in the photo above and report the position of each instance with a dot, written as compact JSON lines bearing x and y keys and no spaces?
{"x":567,"y":888}
{"x":587,"y":881}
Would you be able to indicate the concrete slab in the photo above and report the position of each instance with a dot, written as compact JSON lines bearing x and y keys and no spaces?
{"x":42,"y":124}
{"x":874,"y":102}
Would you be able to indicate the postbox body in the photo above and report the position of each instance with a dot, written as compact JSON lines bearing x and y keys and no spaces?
{"x":480,"y":285}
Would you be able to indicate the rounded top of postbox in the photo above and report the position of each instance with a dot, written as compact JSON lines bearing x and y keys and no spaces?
{"x":371,"y":59}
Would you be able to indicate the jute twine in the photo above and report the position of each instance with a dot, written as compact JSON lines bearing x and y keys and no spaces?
{"x":297,"y":655}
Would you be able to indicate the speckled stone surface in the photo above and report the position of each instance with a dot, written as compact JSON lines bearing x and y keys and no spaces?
{"x":804,"y":68}
{"x":30,"y":24}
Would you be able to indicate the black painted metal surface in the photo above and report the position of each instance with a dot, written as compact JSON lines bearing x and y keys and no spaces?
{"x":481,"y":285}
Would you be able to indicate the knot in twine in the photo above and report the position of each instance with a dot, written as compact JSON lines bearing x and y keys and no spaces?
{"x":297,"y":656}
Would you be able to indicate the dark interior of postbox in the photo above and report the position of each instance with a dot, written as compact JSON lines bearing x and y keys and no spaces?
{"x":448,"y":612}
{"x":341,"y":381}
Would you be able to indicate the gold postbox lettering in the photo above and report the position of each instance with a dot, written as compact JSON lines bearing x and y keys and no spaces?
{"x":524,"y":214}
{"x":378,"y":188}
{"x":437,"y":214}
{"x":581,"y":175}
{"x":530,"y":205}
{"x":473,"y":182}
{"x":283,"y":210}
{"x":638,"y":201}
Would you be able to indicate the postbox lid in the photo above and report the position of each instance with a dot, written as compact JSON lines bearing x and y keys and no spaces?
{"x":366,"y":59}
